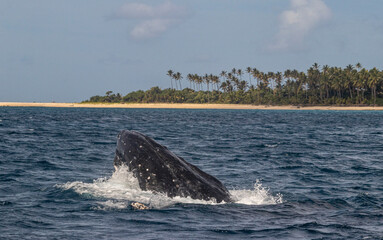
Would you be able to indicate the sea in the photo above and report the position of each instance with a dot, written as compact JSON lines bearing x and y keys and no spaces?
{"x":292,"y":174}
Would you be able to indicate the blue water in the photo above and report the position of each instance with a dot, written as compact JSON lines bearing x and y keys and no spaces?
{"x":294,"y":174}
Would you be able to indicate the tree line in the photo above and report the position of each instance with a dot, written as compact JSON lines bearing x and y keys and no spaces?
{"x":352,"y":85}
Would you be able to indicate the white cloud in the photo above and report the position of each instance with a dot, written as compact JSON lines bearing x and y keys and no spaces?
{"x":150,"y":28}
{"x":152,"y":20}
{"x":298,"y":21}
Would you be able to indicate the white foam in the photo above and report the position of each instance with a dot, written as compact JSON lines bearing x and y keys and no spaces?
{"x":271,"y":145}
{"x":258,"y":196}
{"x":122,"y":188}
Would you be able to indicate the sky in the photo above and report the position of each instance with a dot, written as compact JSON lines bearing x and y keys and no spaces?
{"x":68,"y":51}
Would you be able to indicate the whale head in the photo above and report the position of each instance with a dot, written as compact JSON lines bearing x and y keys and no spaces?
{"x":158,"y":169}
{"x":145,"y":158}
{"x":137,"y":152}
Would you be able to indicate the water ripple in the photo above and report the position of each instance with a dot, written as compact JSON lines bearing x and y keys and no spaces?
{"x":326,"y":165}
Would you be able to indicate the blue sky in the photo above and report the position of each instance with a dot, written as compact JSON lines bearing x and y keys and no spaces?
{"x":67,"y":51}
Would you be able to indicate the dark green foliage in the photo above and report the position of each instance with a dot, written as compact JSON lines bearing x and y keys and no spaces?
{"x":318,"y":86}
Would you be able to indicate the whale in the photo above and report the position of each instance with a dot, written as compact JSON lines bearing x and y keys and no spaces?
{"x":161,"y":171}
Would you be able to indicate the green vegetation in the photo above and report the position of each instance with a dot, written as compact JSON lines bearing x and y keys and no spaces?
{"x":317,"y":86}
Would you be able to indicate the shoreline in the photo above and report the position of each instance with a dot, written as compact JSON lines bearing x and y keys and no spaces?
{"x":188,"y":106}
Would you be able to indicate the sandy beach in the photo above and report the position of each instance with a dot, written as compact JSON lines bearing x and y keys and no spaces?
{"x":183,"y":106}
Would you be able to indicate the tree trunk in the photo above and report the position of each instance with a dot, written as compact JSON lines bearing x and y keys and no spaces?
{"x":357,"y":92}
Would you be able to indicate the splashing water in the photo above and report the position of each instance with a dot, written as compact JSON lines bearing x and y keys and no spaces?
{"x":122,"y":188}
{"x":257,"y":196}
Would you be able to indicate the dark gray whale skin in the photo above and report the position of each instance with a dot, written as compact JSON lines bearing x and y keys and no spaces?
{"x":159,"y":170}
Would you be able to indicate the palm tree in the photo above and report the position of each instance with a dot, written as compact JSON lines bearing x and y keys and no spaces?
{"x":215,"y":80}
{"x":234,"y":71}
{"x":358,"y":66}
{"x":315,"y":66}
{"x":289,"y":83}
{"x":177,"y":77}
{"x":242,"y":85}
{"x":313,"y":82}
{"x":287,"y":74}
{"x":190,"y":79}
{"x":170,"y":74}
{"x":270,"y":79}
{"x":200,"y":81}
{"x":336,"y":80}
{"x":364,"y":75}
{"x":303,"y":81}
{"x":299,"y":80}
{"x":278,"y":80}
{"x":348,"y":72}
{"x":373,"y":82}
{"x":224,"y":86}
{"x":264,"y":81}
{"x":356,"y":79}
{"x":206,"y":79}
{"x":235,"y":80}
{"x":256,"y":75}
{"x":325,"y":79}
{"x":223,"y":75}
{"x":239,"y":72}
{"x":249,"y":71}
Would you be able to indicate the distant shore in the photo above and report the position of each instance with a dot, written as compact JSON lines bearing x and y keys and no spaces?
{"x":185,"y":106}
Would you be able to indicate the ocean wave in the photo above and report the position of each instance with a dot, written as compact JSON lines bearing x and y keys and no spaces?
{"x":122,"y":188}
